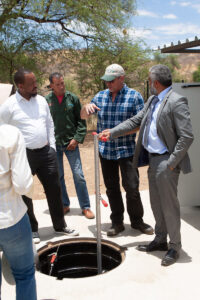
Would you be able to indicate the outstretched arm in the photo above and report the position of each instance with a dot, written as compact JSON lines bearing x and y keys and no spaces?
{"x":106,"y":133}
{"x":87,"y":110}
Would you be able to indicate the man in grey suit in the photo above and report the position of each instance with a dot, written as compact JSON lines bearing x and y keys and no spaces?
{"x":166,"y":135}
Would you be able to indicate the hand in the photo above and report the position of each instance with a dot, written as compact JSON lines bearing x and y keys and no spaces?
{"x":105,"y":134}
{"x":88,"y":109}
{"x":72,"y":145}
{"x":171,"y":168}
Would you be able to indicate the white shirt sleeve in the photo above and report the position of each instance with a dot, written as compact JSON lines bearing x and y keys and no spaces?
{"x":5,"y":113}
{"x":20,"y":170}
{"x":50,"y":129}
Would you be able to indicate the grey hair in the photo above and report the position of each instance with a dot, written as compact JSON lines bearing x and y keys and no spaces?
{"x":162,"y":74}
{"x":56,"y":75}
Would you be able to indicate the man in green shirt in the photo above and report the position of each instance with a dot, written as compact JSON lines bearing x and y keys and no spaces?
{"x":70,"y":130}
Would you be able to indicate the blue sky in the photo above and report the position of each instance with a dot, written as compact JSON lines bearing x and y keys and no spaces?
{"x":160,"y":22}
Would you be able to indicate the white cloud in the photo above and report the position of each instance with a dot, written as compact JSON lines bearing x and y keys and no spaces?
{"x":142,"y":34}
{"x":146,"y":13}
{"x":173,"y":2}
{"x":185,"y":4}
{"x":179,"y":29}
{"x":170,"y":16}
{"x":197,"y":7}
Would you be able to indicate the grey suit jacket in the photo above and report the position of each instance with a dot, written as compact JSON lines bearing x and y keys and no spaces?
{"x":173,"y":127}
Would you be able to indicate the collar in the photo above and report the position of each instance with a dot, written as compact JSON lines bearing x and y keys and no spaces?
{"x":120,"y":91}
{"x":19,"y":97}
{"x":162,"y":94}
{"x":65,"y":94}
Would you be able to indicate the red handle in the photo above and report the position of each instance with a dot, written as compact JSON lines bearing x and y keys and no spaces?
{"x":53,"y":258}
{"x":103,"y":138}
{"x":104,"y":202}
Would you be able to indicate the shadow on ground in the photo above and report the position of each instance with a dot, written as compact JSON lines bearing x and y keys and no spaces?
{"x":191,"y":215}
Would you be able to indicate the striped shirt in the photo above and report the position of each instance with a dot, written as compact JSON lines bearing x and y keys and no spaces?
{"x":127,"y":103}
{"x":15,"y":176}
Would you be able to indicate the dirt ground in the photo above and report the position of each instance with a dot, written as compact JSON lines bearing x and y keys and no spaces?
{"x":87,"y":158}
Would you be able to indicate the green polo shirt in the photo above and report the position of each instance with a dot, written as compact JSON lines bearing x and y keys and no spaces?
{"x":66,"y":117}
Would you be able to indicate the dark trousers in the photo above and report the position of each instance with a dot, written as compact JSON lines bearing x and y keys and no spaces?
{"x":43,"y":163}
{"x":130,"y":182}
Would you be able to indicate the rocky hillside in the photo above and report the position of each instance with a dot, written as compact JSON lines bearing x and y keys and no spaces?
{"x":188,"y":63}
{"x":59,"y":61}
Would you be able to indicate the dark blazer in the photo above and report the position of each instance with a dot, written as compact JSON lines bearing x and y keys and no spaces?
{"x":173,"y":127}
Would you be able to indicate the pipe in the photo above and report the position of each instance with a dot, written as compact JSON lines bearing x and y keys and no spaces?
{"x":98,"y":211}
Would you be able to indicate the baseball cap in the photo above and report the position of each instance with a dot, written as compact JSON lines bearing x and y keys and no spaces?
{"x":113,"y":71}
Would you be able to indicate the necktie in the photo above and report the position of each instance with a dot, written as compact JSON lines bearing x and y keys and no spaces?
{"x":148,"y":121}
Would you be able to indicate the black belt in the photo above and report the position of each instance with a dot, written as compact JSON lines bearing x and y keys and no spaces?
{"x":37,"y":149}
{"x":158,"y":154}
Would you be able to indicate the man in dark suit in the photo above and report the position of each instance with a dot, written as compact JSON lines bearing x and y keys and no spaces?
{"x":166,"y":134}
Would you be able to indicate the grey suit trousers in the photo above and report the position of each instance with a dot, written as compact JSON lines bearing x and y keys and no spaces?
{"x":163,"y":184}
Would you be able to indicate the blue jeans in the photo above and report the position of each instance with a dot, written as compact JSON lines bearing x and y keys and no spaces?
{"x":16,"y":243}
{"x":79,"y":180}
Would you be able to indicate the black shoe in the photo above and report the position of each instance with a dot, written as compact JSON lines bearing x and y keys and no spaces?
{"x":115,"y":229}
{"x":170,"y":257}
{"x":143,"y":227}
{"x":153,"y":246}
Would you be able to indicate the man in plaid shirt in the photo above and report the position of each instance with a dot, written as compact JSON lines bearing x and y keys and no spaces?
{"x":113,"y":106}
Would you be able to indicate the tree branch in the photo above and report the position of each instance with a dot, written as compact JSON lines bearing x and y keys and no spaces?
{"x":22,"y":44}
{"x":48,"y":7}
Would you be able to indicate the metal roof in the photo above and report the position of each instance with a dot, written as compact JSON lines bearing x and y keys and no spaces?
{"x":182,"y":47}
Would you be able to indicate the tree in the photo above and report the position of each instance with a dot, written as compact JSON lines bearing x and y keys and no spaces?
{"x":90,"y":64}
{"x":29,"y":27}
{"x":86,"y":19}
{"x":17,"y":49}
{"x":196,"y":75}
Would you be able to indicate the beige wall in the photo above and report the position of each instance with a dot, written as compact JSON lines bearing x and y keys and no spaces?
{"x":5,"y":90}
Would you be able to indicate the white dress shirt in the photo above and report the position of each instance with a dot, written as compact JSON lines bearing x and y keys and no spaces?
{"x":155,"y":145}
{"x":32,"y":117}
{"x":15,"y":176}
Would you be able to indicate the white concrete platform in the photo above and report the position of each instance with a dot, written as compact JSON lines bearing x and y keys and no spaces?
{"x":139,"y":277}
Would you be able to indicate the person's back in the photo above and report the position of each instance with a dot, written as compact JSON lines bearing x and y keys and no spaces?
{"x":12,"y":183}
{"x":15,"y":230}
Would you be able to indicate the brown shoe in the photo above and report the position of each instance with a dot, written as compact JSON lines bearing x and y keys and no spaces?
{"x":88,"y":213}
{"x":66,"y":209}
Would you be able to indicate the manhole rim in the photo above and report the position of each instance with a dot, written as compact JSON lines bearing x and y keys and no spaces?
{"x":51,"y":244}
{"x":80,"y":240}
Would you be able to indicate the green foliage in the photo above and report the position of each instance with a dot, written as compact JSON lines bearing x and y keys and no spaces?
{"x":91,"y":63}
{"x":17,"y":49}
{"x":72,"y":86}
{"x":196,"y":75}
{"x":88,"y":19}
{"x":31,"y":26}
{"x":171,"y":61}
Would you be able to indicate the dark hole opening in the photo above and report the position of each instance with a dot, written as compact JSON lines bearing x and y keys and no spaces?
{"x":77,"y":260}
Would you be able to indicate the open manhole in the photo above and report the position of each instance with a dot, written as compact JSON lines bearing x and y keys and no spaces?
{"x":77,"y":257}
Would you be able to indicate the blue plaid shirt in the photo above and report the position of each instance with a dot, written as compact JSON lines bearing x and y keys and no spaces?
{"x":128,"y":103}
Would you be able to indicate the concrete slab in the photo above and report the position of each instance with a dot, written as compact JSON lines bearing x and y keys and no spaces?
{"x":140,"y":276}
